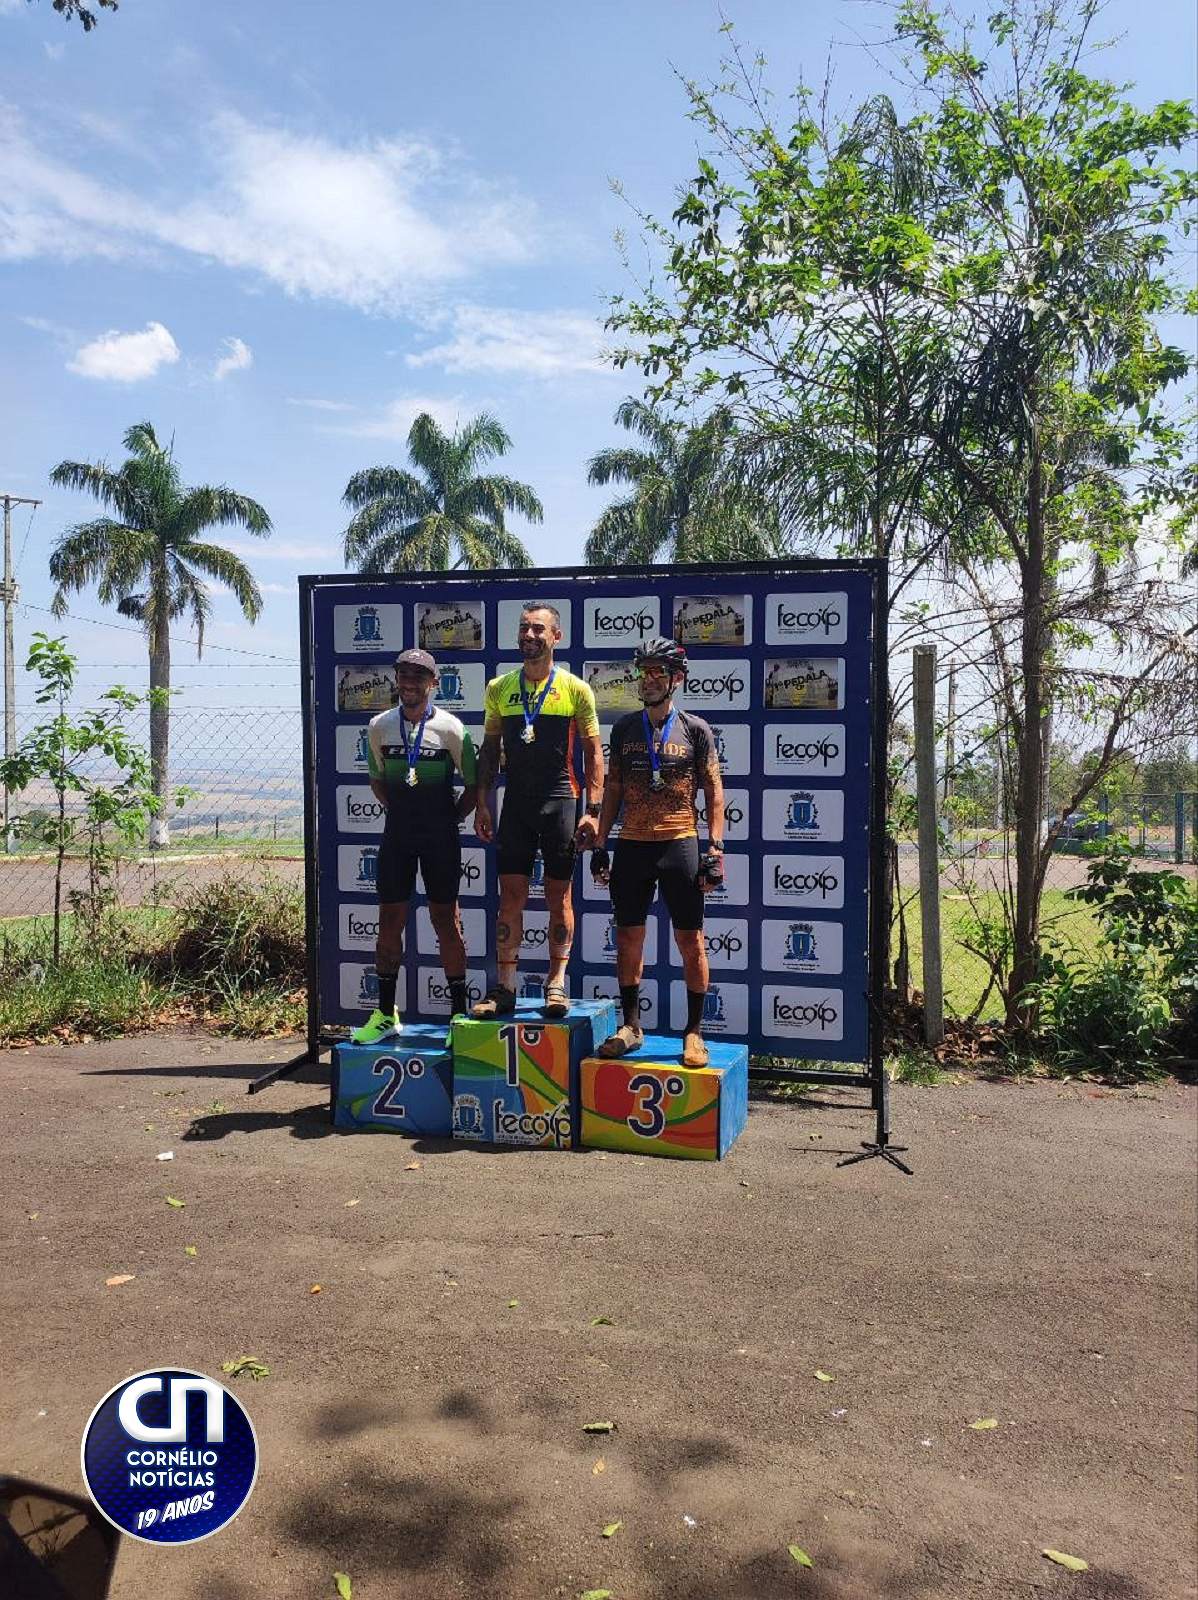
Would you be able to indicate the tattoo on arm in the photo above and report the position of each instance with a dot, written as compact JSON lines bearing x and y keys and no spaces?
{"x":488,"y":764}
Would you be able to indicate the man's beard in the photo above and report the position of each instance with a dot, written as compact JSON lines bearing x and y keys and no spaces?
{"x":532,"y":648}
{"x":659,"y":696}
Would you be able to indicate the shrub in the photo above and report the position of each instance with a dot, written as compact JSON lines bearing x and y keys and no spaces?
{"x":240,"y":934}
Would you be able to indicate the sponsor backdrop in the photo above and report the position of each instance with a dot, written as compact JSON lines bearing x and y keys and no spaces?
{"x":782,"y":667}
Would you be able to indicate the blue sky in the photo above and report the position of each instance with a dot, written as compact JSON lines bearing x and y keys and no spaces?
{"x":278,"y":230}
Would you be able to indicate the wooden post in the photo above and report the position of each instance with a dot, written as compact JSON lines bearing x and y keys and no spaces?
{"x":923,"y":663}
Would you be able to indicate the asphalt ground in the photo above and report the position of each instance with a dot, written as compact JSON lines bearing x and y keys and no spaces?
{"x":423,"y":1435}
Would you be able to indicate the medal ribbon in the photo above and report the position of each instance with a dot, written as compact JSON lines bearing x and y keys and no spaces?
{"x":531,"y":713}
{"x":412,"y":750}
{"x":655,"y":749}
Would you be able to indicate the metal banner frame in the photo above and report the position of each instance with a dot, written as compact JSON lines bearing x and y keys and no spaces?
{"x":770,"y":659}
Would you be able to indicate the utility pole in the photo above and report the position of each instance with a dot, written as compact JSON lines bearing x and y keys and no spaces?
{"x":924,"y":672}
{"x":10,"y":676}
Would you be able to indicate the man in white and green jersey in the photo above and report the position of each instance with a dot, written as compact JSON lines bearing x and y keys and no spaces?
{"x":416,"y":751}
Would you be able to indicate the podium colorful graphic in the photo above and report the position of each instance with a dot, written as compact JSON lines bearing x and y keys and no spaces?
{"x":526,"y":1080}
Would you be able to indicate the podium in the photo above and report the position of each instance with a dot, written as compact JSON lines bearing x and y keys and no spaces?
{"x":649,"y":1103}
{"x":402,"y":1086}
{"x":515,"y":1079}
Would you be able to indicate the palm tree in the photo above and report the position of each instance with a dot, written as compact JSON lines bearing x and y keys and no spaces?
{"x":147,"y":560}
{"x":683,"y":505}
{"x":405,"y":523}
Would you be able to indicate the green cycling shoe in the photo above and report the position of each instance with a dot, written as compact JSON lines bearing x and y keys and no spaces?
{"x":378,"y":1027}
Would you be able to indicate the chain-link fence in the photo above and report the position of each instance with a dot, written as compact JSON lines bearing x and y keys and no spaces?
{"x":977,"y":885}
{"x":240,"y":776}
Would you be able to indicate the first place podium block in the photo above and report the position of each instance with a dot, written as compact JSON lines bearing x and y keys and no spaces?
{"x":649,"y":1103}
{"x":514,"y":1079}
{"x":402,"y":1086}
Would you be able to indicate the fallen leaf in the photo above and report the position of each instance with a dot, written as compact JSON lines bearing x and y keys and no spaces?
{"x":800,"y":1555}
{"x":121,"y":1277}
{"x":598,"y":1427}
{"x":602,"y":1322}
{"x":599,"y":1467}
{"x":412,"y":1166}
{"x":33,"y":1215}
{"x":595,"y":1594}
{"x":149,"y":1127}
{"x":1073,"y":1563}
{"x":245,"y":1366}
{"x":825,"y":1377}
{"x":612,"y":1529}
{"x":177,"y":1204}
{"x":984,"y":1424}
{"x":345,"y":1587}
{"x":190,"y":1250}
{"x":315,"y":1289}
{"x":353,"y":1203}
{"x":512,"y":1304}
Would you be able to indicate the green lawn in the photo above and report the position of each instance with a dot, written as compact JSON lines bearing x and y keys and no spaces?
{"x":1064,"y":921}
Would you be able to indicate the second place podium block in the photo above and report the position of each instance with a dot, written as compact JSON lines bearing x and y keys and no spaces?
{"x":513,"y":1079}
{"x":649,"y":1103}
{"x":402,"y":1086}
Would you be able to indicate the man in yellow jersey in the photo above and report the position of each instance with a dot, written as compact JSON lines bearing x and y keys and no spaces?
{"x":533,"y":716}
{"x":416,"y":750}
{"x":660,"y":758}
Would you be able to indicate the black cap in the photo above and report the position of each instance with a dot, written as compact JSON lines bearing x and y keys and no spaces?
{"x":420,"y":659}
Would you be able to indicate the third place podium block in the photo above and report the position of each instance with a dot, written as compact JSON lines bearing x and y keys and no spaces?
{"x":648,"y":1102}
{"x":402,"y":1086}
{"x":513,"y":1078}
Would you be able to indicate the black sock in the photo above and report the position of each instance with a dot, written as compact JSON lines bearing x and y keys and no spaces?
{"x":630,"y":999}
{"x":387,"y":982}
{"x":694,"y":1009}
{"x":458,"y":999}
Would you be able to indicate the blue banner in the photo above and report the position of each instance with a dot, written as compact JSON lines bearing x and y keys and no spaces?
{"x":781,"y":667}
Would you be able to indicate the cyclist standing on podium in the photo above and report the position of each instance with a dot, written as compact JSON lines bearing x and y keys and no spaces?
{"x":533,"y":716}
{"x":660,"y":758}
{"x":415,"y":751}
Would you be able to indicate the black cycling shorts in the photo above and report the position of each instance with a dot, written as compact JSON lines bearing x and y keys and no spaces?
{"x":438,"y":857}
{"x":527,"y":826}
{"x":638,"y":867}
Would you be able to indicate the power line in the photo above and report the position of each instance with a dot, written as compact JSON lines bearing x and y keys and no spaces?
{"x":25,"y":540}
{"x":120,"y":627}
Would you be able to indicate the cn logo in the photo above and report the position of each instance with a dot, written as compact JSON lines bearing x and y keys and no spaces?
{"x":175,"y":1431}
{"x":169,"y":1456}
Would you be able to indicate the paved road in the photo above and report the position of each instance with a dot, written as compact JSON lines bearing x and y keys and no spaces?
{"x":424,"y":1436}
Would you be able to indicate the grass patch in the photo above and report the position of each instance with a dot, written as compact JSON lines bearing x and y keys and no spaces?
{"x":96,"y":998}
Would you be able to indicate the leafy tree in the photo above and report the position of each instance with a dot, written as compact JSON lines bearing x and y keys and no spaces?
{"x":70,"y":9}
{"x":683,"y":505}
{"x":150,"y":561}
{"x":1011,"y":285}
{"x":61,"y":754}
{"x":409,"y":523}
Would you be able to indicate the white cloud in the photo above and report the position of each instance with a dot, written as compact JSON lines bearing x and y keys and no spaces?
{"x":377,"y":225}
{"x":54,"y":51}
{"x":126,"y":357}
{"x":535,"y":344}
{"x":238,"y":357}
{"x":321,"y":405}
{"x":395,"y":420}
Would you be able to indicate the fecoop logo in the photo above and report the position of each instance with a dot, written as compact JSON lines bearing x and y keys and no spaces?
{"x":534,"y":938}
{"x":473,"y":878}
{"x":532,"y":1127}
{"x":736,"y":814}
{"x":727,"y":942}
{"x":359,"y":927}
{"x":793,"y":1013}
{"x":799,"y":747}
{"x":358,"y":811}
{"x":803,"y":881}
{"x":716,"y":686}
{"x":169,"y":1456}
{"x":621,"y":619}
{"x":433,"y":990}
{"x":806,"y":619}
